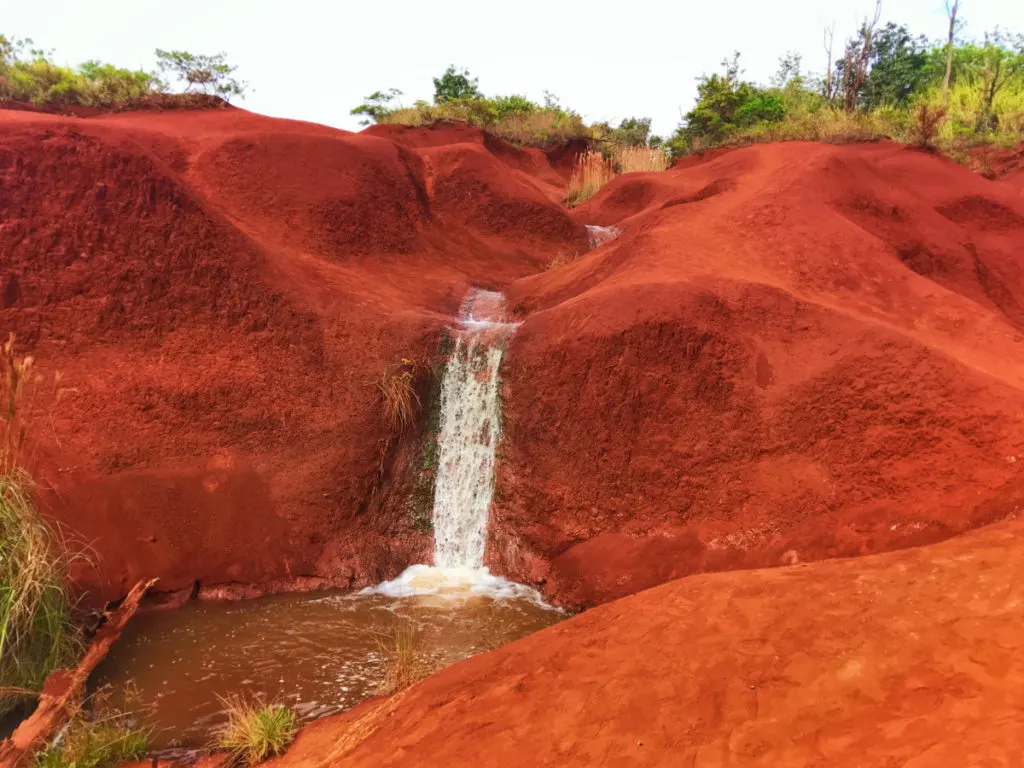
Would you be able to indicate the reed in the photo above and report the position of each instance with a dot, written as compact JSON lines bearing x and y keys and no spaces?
{"x":641,"y":160}
{"x":98,"y":735}
{"x":591,"y":172}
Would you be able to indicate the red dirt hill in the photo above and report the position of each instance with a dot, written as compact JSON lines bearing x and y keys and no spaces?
{"x":795,"y":351}
{"x":909,"y":658}
{"x":221,"y":292}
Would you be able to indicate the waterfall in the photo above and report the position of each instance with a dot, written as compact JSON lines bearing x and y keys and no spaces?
{"x":467,"y":443}
{"x":470,"y":429}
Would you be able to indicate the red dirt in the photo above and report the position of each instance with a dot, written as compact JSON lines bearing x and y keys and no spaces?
{"x":909,"y":658}
{"x":221,"y":292}
{"x":795,"y":351}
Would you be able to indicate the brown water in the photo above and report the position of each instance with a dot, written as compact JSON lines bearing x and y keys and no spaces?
{"x":316,"y":653}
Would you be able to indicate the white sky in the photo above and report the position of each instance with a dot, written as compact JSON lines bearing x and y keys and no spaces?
{"x":608,"y":60}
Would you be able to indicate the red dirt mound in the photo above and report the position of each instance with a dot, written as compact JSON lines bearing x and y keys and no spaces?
{"x":907,"y":658}
{"x":794,"y":351}
{"x":222,"y":292}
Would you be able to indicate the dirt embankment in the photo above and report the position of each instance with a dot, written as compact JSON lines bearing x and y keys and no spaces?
{"x":906,"y":658}
{"x":795,"y":351}
{"x":221,"y":292}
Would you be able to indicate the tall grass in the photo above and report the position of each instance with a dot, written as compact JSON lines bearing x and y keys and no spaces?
{"x":402,"y":658}
{"x":640,"y":159}
{"x":591,"y":172}
{"x":98,"y":737}
{"x":255,"y":730}
{"x":37,"y":633}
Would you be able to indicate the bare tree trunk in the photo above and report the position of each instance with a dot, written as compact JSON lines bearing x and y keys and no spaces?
{"x":951,"y":11}
{"x":858,"y":62}
{"x":829,"y":35}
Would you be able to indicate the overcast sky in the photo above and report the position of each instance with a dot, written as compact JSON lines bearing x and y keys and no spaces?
{"x":607,"y":60}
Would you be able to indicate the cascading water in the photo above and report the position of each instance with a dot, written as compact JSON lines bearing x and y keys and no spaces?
{"x":470,"y":430}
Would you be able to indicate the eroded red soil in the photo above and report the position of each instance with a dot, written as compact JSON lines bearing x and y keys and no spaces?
{"x":794,"y":351}
{"x":910,"y":658}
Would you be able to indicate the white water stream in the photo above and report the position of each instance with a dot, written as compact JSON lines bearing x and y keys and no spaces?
{"x":470,"y":431}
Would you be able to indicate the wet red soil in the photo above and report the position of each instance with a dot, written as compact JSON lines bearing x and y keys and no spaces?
{"x":793,"y":352}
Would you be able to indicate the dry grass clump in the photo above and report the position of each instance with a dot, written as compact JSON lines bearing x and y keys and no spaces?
{"x":397,"y":388}
{"x":37,"y":633}
{"x":641,"y":160}
{"x":927,"y":122}
{"x":591,"y":172}
{"x":402,"y":657}
{"x":101,"y":736}
{"x":255,"y":730}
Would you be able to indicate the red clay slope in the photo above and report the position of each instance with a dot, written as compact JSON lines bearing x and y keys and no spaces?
{"x":795,"y":351}
{"x":911,"y":658}
{"x":222,"y":292}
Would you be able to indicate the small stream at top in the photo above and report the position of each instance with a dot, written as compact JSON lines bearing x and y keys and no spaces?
{"x":319,"y":653}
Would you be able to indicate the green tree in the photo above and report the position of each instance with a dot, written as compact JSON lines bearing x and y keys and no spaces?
{"x":454,"y":85}
{"x":376,"y":106}
{"x":725,"y":102}
{"x":206,"y":74}
{"x":1001,"y":62}
{"x":632,"y":132}
{"x":898,"y":67}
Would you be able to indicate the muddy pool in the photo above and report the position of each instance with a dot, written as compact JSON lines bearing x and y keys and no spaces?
{"x":319,"y":654}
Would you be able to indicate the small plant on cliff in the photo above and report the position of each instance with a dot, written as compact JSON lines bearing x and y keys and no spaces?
{"x":255,"y":730}
{"x":37,"y":634}
{"x":402,"y":658}
{"x":97,"y":736}
{"x":397,"y":387}
{"x":591,"y":172}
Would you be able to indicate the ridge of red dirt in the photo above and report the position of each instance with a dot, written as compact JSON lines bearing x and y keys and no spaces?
{"x":221,"y":292}
{"x":795,"y":351}
{"x":906,"y":658}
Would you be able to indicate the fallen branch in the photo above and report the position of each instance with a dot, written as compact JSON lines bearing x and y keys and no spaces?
{"x":64,"y":687}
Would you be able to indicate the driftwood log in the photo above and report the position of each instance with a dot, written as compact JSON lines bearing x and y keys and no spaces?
{"x":65,"y":687}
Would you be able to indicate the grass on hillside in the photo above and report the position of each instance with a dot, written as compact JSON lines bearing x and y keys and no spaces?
{"x":98,"y":737}
{"x":37,"y":633}
{"x":640,"y":160}
{"x":256,"y":730}
{"x":592,"y":171}
{"x":540,"y":128}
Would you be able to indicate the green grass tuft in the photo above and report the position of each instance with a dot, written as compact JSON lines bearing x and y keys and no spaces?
{"x":101,"y":738}
{"x":256,"y":730}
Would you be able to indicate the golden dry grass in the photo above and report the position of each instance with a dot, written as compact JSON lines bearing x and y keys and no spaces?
{"x":399,"y":401}
{"x":591,"y":172}
{"x":641,"y":160}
